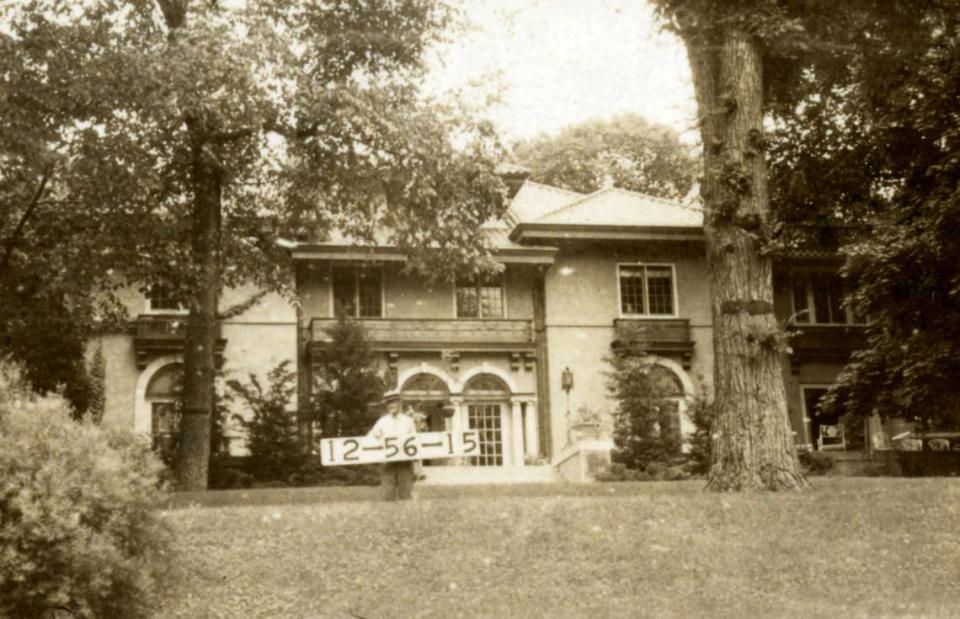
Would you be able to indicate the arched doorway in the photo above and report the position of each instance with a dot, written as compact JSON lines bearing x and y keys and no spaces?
{"x":428,"y":396}
{"x":486,"y":398}
{"x":675,"y":392}
{"x":163,"y":396}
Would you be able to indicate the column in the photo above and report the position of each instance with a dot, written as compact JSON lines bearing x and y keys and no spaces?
{"x":516,"y":423}
{"x":457,"y":420}
{"x":532,"y":431}
{"x":457,"y":425}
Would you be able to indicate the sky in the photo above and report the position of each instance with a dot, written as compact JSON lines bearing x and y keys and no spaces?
{"x":561,"y":62}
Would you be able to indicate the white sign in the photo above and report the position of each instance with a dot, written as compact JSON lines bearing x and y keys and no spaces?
{"x":423,"y":446}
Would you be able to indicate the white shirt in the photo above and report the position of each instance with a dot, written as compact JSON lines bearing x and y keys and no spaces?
{"x":393,"y":425}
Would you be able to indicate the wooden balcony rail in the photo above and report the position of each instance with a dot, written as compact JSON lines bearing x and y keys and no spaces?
{"x":163,"y":327}
{"x":435,"y":333}
{"x":157,"y":335}
{"x":828,"y":343}
{"x":660,"y":336}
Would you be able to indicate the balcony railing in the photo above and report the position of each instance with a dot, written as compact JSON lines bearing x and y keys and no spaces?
{"x":661,"y":336}
{"x":156,"y":335}
{"x":400,"y":333}
{"x":832,"y":343}
{"x":162,"y":327}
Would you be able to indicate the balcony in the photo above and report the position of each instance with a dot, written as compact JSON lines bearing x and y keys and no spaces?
{"x":437,"y":334}
{"x":157,"y":335}
{"x":659,"y":337}
{"x":825,"y":343}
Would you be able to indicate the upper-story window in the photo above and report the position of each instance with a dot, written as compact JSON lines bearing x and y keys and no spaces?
{"x":358,"y":293}
{"x":818,"y":299}
{"x":480,"y":298}
{"x":647,"y":290}
{"x":160,"y":299}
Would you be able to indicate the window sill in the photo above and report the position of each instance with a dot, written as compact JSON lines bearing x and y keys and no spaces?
{"x":649,"y":317}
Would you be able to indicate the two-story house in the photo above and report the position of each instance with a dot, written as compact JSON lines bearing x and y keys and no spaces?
{"x":516,"y":355}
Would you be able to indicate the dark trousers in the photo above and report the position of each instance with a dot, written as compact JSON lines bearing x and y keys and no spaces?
{"x":396,"y":479}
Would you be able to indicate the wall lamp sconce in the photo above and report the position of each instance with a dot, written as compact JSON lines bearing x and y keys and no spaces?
{"x":566,"y":380}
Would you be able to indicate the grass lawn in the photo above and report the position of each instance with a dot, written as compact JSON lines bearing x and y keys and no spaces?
{"x":851,"y":547}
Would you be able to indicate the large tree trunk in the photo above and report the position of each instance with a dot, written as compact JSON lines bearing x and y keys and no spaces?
{"x":753,"y":446}
{"x":193,"y":450}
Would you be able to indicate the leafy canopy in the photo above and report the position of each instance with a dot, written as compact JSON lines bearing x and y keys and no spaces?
{"x":627,"y":152}
{"x":309,"y":111}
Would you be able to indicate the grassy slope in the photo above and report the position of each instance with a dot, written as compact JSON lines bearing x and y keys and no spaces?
{"x":851,"y":547}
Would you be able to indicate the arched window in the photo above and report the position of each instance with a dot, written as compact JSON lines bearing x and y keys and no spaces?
{"x":486,"y":386}
{"x":486,"y":396}
{"x":665,"y":382}
{"x":669,"y":388}
{"x":163,"y":394}
{"x":426,"y":387}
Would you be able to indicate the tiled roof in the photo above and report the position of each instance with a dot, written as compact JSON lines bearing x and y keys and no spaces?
{"x":535,"y":199}
{"x":619,"y":207}
{"x":496,"y":233}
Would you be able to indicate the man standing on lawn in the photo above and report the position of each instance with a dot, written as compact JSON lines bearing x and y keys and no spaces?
{"x":396,"y":478}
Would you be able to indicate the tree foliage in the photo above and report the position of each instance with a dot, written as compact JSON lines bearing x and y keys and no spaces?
{"x":347,"y":381}
{"x":862,"y":99}
{"x":908,"y":272}
{"x":183,"y":122}
{"x":627,"y":152}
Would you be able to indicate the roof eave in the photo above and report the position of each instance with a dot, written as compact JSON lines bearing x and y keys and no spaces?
{"x":571,"y":232}
{"x":354,"y":253}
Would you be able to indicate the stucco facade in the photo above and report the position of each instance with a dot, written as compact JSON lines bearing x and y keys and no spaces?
{"x":255,"y":341}
{"x":518,"y":355}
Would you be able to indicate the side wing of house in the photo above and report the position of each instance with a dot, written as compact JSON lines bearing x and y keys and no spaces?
{"x":142,"y":361}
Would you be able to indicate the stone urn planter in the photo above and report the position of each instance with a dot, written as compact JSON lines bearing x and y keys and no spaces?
{"x":584,"y":431}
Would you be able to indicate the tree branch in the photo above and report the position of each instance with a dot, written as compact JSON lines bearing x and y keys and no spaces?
{"x":232,"y":136}
{"x":235,"y":310}
{"x":27,"y":214}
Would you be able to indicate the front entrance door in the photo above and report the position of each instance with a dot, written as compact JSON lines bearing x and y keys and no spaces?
{"x":486,"y":418}
{"x":825,"y":430}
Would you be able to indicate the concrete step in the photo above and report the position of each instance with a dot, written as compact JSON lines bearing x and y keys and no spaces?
{"x":462,"y":475}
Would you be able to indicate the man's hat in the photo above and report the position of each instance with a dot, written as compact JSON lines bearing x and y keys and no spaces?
{"x":390,"y":396}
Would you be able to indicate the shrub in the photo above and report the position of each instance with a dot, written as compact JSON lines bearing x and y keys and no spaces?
{"x":815,"y":462}
{"x":79,"y":524}
{"x":273,"y":439}
{"x":647,"y":431}
{"x":312,"y":473}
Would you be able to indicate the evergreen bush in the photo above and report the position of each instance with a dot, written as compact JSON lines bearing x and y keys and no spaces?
{"x":79,"y":523}
{"x":347,"y":381}
{"x":273,"y":438}
{"x":647,"y":433}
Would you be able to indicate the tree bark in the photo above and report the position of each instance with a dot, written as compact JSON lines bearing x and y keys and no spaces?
{"x":753,"y":444}
{"x":199,"y":355}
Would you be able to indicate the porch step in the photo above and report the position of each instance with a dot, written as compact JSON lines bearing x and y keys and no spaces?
{"x":462,"y":475}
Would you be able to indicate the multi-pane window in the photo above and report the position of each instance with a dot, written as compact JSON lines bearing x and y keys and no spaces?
{"x":357,"y":293}
{"x":160,"y":299}
{"x":480,"y":298}
{"x":646,"y":290}
{"x":164,"y":393}
{"x":165,"y":419}
{"x":486,"y":419}
{"x":818,"y":299}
